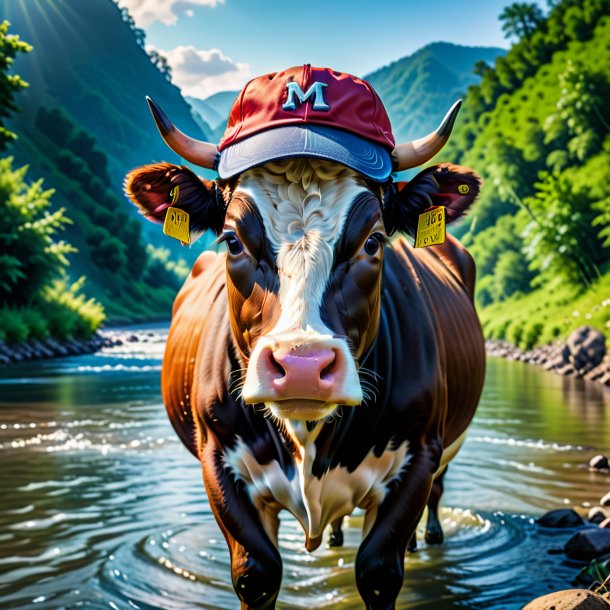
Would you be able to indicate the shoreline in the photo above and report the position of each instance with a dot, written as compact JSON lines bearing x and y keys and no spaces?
{"x":50,"y":348}
{"x":582,"y":356}
{"x":574,"y":357}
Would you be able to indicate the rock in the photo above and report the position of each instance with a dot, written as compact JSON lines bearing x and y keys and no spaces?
{"x":605,"y":524}
{"x":587,"y":348}
{"x":597,"y":514}
{"x":605,"y":501}
{"x":597,"y":373}
{"x":562,"y":517}
{"x":570,"y":599}
{"x":566,"y":370}
{"x":588,"y":544}
{"x":599,"y":462}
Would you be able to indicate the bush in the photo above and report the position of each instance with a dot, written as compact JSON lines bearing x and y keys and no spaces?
{"x":12,"y":327}
{"x":36,"y":322}
{"x":531,"y":334}
{"x":70,"y":312}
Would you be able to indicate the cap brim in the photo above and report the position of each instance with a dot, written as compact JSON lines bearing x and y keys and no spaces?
{"x":317,"y":141}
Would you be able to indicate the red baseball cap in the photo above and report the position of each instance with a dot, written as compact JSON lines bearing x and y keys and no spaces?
{"x":308,"y":112}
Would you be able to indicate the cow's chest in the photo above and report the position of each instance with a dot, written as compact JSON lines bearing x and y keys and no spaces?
{"x":315,"y":501}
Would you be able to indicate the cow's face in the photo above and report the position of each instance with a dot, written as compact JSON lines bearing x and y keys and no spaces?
{"x":305,"y":241}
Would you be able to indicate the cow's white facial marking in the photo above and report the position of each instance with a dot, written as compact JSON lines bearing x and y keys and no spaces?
{"x":303,"y":204}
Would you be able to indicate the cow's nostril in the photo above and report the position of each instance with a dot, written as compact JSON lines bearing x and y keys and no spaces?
{"x":328,"y":370}
{"x":274,"y":365}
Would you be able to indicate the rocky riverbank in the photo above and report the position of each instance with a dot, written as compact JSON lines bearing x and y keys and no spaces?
{"x":589,"y":548}
{"x":53,"y":348}
{"x":583,"y":355}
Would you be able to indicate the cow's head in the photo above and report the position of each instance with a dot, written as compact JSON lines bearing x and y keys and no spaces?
{"x":305,"y":240}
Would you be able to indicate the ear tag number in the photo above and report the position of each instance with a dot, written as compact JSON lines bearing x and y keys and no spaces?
{"x":431,"y":228}
{"x":177,"y":221}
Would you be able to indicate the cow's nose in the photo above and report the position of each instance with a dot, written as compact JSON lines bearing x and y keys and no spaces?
{"x":303,"y":372}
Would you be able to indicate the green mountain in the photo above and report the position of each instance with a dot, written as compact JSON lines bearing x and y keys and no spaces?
{"x":221,"y":102}
{"x":83,"y":123}
{"x":89,"y":60}
{"x":206,"y":112}
{"x":537,"y":128}
{"x":214,"y":111}
{"x":417,"y":90}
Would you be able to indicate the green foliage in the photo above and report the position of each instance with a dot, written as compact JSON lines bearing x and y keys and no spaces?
{"x":418,"y":90}
{"x":10,"y":84}
{"x":37,"y":299}
{"x":519,"y":20}
{"x":559,"y":239}
{"x":162,"y":270}
{"x":69,"y":312}
{"x":13,"y":328}
{"x":31,"y":256}
{"x":549,"y":312}
{"x":537,"y":128}
{"x":114,"y":241}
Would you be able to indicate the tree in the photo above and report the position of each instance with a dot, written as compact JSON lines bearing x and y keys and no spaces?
{"x":579,"y":123}
{"x":30,"y":258}
{"x":520,"y":19}
{"x":558,"y":239}
{"x":10,"y":45}
{"x":160,"y":62}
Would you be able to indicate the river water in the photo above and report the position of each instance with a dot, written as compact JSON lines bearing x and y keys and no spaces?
{"x":102,"y":507}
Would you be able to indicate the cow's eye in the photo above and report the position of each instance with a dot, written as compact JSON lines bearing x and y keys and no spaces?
{"x":234,"y":245}
{"x":373,"y":244}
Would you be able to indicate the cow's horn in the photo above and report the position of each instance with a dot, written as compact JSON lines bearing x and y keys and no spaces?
{"x":417,"y":152}
{"x":200,"y":153}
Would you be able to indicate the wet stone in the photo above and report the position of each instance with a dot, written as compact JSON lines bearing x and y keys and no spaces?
{"x":588,"y":544}
{"x":571,"y":599}
{"x":562,"y":517}
{"x":599,"y":462}
{"x":597,"y":514}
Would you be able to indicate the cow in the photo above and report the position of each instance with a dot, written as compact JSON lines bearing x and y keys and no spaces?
{"x":320,"y":363}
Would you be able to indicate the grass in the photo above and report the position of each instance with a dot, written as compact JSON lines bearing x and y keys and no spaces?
{"x":548,"y":313}
{"x":63,"y":312}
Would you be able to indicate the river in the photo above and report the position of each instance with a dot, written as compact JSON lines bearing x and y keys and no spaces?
{"x":102,"y":507}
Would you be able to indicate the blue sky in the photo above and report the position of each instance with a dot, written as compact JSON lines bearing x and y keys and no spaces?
{"x":214,"y":45}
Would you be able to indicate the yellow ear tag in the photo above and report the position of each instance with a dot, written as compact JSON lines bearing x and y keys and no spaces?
{"x":431,"y":228}
{"x":177,"y":221}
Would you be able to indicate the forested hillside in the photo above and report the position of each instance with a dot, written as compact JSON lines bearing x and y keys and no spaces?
{"x":89,"y":59}
{"x":537,"y":128}
{"x":82,"y":124}
{"x":417,"y":90}
{"x":37,"y":299}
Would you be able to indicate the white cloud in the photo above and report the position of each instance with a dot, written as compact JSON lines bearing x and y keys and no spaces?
{"x":201,"y":73}
{"x":146,"y":12}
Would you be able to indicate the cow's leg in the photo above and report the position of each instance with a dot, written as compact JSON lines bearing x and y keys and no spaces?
{"x":380,"y":559}
{"x":256,"y":566}
{"x":412,"y":546}
{"x":434,"y":530}
{"x":336,"y":533}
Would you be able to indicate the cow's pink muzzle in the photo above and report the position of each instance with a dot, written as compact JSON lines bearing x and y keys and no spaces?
{"x":312,"y":372}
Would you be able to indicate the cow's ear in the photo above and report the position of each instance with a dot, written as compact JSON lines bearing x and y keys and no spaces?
{"x":153,"y":189}
{"x":451,"y":186}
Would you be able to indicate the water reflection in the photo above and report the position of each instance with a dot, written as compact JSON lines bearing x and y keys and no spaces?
{"x":103,"y":507}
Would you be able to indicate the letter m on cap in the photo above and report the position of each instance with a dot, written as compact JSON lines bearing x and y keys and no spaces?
{"x":315,"y":91}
